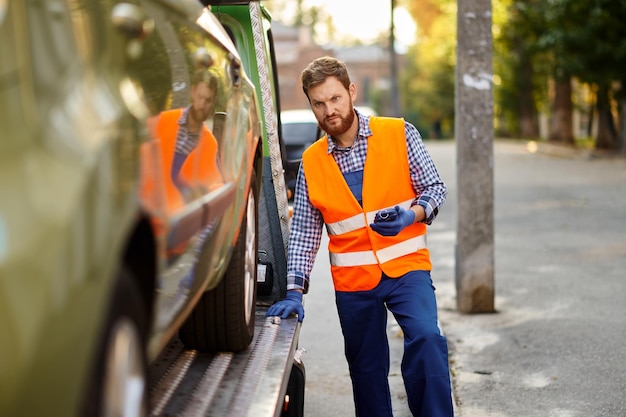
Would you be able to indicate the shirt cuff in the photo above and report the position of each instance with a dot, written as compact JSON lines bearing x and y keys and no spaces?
{"x":431,"y":212}
{"x":297,"y":281}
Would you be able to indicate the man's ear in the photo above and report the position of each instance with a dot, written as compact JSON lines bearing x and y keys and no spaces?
{"x":352,"y":91}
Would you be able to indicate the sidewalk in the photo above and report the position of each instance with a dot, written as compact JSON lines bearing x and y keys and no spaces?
{"x":556,"y":346}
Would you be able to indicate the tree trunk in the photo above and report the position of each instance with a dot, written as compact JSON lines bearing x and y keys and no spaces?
{"x":622,"y":118}
{"x":561,"y":126}
{"x":529,"y":122}
{"x":592,"y":113}
{"x":607,"y":135}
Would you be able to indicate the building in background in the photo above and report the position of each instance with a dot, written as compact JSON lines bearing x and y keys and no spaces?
{"x":369,"y":67}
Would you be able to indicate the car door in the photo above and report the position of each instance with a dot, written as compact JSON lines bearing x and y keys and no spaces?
{"x":178,"y":74}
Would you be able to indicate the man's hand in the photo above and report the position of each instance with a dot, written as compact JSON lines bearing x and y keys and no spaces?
{"x":291,"y":304}
{"x":391,"y":228}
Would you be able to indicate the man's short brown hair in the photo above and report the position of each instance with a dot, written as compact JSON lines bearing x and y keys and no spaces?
{"x":320,"y":69}
{"x":204,"y":76}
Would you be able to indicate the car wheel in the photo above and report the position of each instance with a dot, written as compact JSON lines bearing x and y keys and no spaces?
{"x":223,"y":320}
{"x":118,"y":386}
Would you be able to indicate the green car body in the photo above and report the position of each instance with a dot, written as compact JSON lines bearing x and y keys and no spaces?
{"x":82,"y":84}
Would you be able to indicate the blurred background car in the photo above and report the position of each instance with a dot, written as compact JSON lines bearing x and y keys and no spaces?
{"x":299,"y":131}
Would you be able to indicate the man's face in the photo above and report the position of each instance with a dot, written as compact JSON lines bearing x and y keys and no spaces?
{"x":202,"y":101}
{"x":332,"y":105}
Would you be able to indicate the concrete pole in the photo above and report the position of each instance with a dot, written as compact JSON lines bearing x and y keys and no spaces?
{"x":474,"y":141}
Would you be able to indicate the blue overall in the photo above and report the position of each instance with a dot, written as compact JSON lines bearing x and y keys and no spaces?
{"x":363,"y":317}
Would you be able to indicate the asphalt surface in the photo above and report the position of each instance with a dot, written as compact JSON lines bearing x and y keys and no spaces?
{"x":556,"y":345}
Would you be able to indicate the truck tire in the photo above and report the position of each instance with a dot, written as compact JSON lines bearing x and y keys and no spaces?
{"x":295,"y":392}
{"x":223,"y":319}
{"x":118,"y":384}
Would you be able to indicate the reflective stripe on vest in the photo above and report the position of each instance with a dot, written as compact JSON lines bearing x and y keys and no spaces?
{"x":358,"y":255}
{"x":358,"y":221}
{"x":384,"y":255}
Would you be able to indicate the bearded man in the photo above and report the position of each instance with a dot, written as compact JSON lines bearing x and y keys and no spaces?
{"x":371,"y":182}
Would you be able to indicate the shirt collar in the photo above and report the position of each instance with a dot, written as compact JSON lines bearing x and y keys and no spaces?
{"x":182,"y":120}
{"x":363,"y":133}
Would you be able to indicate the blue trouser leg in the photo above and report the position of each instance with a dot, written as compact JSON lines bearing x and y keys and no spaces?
{"x":363,"y":319}
{"x":425,"y":372}
{"x":425,"y":362}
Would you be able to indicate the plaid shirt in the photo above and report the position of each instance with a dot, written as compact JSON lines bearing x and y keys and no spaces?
{"x":307,"y":222}
{"x":185,"y":141}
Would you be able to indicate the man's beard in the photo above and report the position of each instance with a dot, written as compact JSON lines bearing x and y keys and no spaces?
{"x":199,"y":115}
{"x":345,"y":124}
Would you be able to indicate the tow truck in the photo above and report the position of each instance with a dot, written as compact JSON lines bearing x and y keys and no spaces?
{"x":268,"y":378}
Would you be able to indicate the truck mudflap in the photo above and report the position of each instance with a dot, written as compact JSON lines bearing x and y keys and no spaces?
{"x":186,"y":382}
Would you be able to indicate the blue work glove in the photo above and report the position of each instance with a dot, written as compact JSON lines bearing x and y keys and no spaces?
{"x":291,"y":304}
{"x":403,"y":219}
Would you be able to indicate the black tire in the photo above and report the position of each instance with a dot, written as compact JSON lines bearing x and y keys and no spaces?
{"x":118,"y":385}
{"x":295,"y":392}
{"x":223,"y":320}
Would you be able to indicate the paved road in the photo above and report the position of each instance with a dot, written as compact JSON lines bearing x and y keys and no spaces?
{"x":556,"y":346}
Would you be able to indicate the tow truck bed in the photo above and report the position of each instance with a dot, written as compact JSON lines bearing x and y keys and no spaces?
{"x":186,"y":382}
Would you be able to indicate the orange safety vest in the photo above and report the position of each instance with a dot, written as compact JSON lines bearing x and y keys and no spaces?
{"x":200,"y":167}
{"x":359,"y":255}
{"x":201,"y":163}
{"x":200,"y":170}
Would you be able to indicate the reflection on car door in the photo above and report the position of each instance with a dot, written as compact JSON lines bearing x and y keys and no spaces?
{"x":180,"y":161}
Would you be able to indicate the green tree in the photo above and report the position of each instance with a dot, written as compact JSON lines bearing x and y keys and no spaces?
{"x":518,"y":68}
{"x":586,"y":39}
{"x":541,"y":46}
{"x":428,"y":78}
{"x":601,"y":58}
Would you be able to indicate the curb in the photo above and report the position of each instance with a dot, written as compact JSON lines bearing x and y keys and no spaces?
{"x":571,"y":152}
